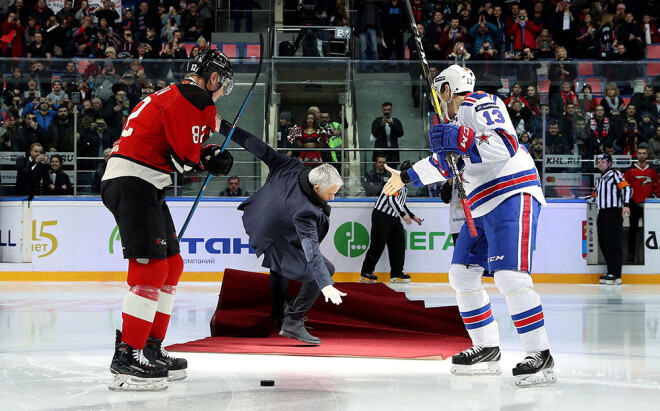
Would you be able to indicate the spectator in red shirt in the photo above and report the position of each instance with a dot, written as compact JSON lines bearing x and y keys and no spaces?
{"x":651,"y":33}
{"x":523,"y":31}
{"x":13,"y":24}
{"x":586,"y":99}
{"x":645,"y":184}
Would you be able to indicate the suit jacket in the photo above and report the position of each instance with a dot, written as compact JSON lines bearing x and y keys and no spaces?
{"x":380,"y":134}
{"x":239,"y":193}
{"x":28,"y":180}
{"x":61,"y":179}
{"x":282,"y":221}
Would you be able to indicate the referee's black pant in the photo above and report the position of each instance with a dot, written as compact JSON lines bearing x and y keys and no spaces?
{"x":385,"y":230}
{"x":610,"y":232}
{"x":636,"y":212}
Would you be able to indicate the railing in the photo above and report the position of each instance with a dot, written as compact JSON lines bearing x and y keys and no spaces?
{"x":359,"y":89}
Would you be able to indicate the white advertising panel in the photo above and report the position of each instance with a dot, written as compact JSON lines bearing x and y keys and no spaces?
{"x":652,"y":236}
{"x":11,"y":232}
{"x":82,"y":236}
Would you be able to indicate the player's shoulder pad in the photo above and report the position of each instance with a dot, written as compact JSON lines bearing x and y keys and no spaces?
{"x":195,"y":94}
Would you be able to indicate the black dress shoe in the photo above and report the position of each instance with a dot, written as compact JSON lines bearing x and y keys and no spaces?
{"x":296,"y":329}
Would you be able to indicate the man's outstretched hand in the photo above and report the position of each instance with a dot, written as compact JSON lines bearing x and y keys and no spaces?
{"x":332,"y":294}
{"x":394,"y":184}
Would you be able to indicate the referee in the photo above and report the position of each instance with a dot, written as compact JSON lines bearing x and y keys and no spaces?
{"x":612,"y":197}
{"x":386,"y":229}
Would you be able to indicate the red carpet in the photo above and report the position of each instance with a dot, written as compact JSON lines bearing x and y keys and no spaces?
{"x":373,"y":321}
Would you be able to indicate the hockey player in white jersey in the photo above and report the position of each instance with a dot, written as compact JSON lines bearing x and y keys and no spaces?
{"x":505,"y":197}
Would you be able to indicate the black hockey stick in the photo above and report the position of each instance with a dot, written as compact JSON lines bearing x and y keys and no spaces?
{"x":231,"y":131}
{"x":438,"y":111}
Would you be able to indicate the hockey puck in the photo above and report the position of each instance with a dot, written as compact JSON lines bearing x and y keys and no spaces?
{"x":267,"y":383}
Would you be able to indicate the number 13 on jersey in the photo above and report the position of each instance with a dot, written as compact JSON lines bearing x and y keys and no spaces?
{"x":494,"y":116}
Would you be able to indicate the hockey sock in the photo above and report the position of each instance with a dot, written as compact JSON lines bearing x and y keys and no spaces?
{"x":474,"y":305}
{"x":166,"y":297}
{"x":141,"y":302}
{"x":525,"y":307}
{"x":478,"y":318}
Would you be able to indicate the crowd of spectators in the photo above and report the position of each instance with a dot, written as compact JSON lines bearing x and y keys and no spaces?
{"x":547,"y":40}
{"x":103,"y":61}
{"x":110,"y":58}
{"x":316,"y":131}
{"x":31,"y":29}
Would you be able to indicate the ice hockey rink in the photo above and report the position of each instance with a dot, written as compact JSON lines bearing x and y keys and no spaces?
{"x":56,"y":342}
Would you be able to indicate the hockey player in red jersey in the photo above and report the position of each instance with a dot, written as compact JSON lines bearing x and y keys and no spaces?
{"x":645,"y":184}
{"x":164,"y":133}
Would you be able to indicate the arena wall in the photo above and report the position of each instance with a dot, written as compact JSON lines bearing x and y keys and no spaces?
{"x":77,"y":240}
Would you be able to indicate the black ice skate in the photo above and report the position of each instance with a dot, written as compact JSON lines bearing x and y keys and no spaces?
{"x":368,"y":278}
{"x":296,"y":329}
{"x":602,"y":279}
{"x":402,"y":278}
{"x":527,"y":372}
{"x":157,"y":355}
{"x":133,"y":372}
{"x":611,"y":279}
{"x":465,"y":362}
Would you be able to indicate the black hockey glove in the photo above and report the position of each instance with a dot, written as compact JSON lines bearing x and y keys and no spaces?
{"x":216,"y":162}
{"x":445,"y":192}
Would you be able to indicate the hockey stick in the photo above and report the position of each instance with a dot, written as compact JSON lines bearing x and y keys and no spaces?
{"x":231,"y":131}
{"x":438,"y":111}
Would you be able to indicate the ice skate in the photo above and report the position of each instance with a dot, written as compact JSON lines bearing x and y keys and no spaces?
{"x":464,"y":363}
{"x":611,"y":279}
{"x":133,"y":372}
{"x":368,"y":278}
{"x":536,"y":369}
{"x":602,"y":279}
{"x":403,"y":278}
{"x":157,"y":355}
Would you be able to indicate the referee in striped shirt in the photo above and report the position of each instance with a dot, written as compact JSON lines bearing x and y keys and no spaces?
{"x":612,"y":197}
{"x":386,"y":229}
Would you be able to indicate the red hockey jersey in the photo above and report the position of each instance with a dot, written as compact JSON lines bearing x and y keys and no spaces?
{"x":164,"y":133}
{"x":644,"y":181}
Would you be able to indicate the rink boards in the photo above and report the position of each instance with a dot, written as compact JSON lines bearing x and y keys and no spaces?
{"x":78,"y":240}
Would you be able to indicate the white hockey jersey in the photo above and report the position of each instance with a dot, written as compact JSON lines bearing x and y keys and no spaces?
{"x":496,"y":166}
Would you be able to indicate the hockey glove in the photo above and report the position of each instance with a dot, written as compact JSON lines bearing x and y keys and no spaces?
{"x":445,"y":192}
{"x":440,"y":162}
{"x":216,"y":162}
{"x":450,"y":137}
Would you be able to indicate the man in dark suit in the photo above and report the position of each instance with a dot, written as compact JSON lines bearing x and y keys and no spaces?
{"x":387,"y":131}
{"x":286,"y":220}
{"x":234,"y":188}
{"x":31,"y":172}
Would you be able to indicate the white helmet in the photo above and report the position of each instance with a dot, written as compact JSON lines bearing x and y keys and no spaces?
{"x":460,"y":79}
